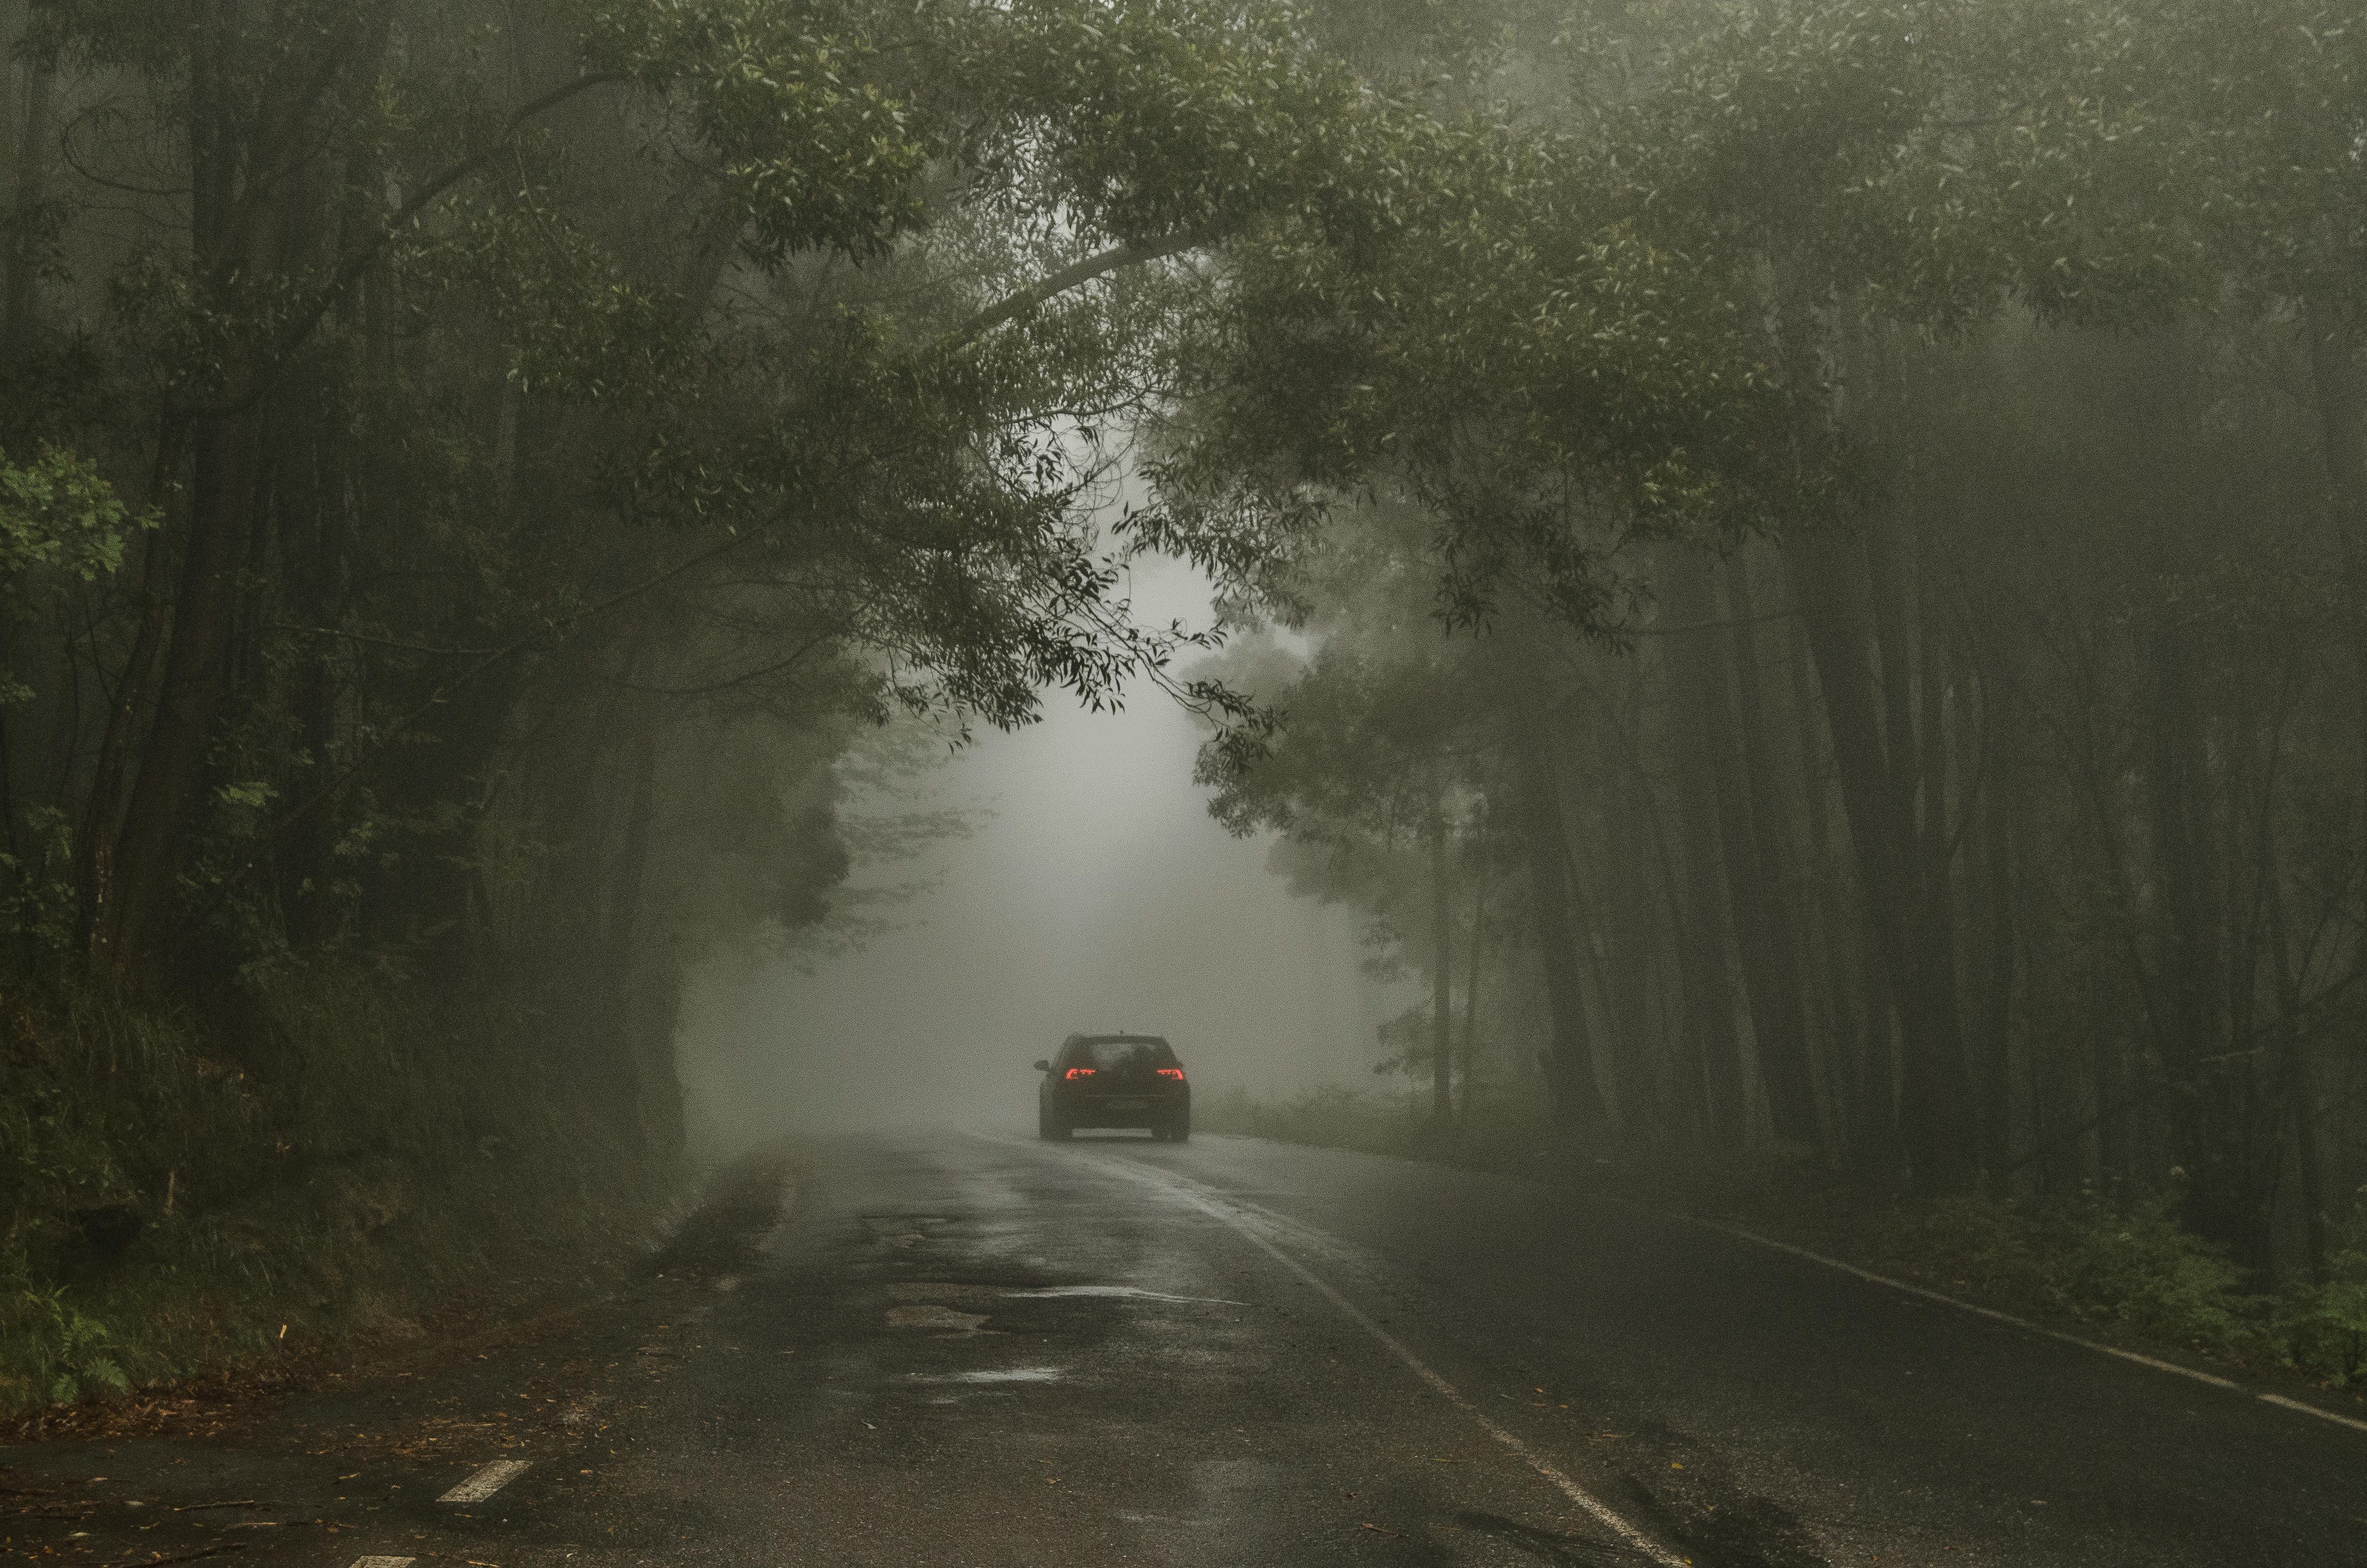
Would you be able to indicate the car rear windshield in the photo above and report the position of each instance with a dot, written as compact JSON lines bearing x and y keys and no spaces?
{"x":1112,"y":1054}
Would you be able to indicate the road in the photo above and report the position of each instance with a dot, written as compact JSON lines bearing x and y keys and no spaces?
{"x":978,"y":1349}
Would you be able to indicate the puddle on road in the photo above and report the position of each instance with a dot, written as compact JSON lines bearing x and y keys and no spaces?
{"x":993,"y":1375}
{"x":934,"y":1317}
{"x":1128,"y":1292}
{"x":937,"y":1290}
{"x":947,"y":1290}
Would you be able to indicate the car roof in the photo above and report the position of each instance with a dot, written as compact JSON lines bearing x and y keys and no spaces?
{"x":1112,"y":1039}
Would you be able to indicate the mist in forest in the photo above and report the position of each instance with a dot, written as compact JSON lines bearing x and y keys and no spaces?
{"x":1092,"y":892}
{"x":1790,"y":597}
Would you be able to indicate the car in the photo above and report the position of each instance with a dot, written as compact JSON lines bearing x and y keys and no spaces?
{"x":1114,"y":1080}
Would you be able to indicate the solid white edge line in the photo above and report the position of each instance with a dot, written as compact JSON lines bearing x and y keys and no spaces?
{"x":2156,"y":1362}
{"x":486,"y":1481}
{"x":2280,"y":1401}
{"x":2279,"y":1398}
{"x":1991,"y":1313}
{"x":1184,"y":1191}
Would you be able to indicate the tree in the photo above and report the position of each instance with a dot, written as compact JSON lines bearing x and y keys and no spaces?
{"x":462,"y":410}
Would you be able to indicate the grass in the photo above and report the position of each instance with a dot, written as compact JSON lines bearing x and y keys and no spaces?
{"x":2127,"y":1266}
{"x":344,"y":1153}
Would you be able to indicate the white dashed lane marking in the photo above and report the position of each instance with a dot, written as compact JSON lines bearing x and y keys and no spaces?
{"x":486,"y":1482}
{"x":384,"y":1561}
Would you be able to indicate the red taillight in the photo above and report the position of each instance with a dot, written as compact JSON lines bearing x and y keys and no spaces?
{"x":1077,"y":1072}
{"x":1174,"y":1073}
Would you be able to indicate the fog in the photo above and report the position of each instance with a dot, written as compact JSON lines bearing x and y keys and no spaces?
{"x":1817,"y":629}
{"x":1094,"y":892}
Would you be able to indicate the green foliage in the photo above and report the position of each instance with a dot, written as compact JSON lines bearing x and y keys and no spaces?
{"x":604,"y":368}
{"x":51,"y":1354}
{"x":2325,"y":1324}
{"x":58,"y":513}
{"x":2139,"y":1266}
{"x":349,"y":1151}
{"x":37,"y":900}
{"x":2136,"y":1265}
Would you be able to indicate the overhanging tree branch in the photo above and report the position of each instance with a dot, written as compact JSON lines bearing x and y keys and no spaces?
{"x":358,"y":261}
{"x":1053,"y":285}
{"x":363,"y":256}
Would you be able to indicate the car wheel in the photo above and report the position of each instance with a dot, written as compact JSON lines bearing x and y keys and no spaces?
{"x":1048,"y":1123}
{"x":1179,"y":1129}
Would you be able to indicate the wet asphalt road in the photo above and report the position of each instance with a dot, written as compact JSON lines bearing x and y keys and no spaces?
{"x":973,"y":1350}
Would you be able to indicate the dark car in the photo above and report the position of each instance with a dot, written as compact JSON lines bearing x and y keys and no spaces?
{"x":1114,"y":1080}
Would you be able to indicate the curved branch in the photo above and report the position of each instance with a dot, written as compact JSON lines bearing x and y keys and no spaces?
{"x":331,"y":632}
{"x":66,"y":151}
{"x":744,"y":677}
{"x":1056,"y":284}
{"x":359,"y":261}
{"x":363,"y":256}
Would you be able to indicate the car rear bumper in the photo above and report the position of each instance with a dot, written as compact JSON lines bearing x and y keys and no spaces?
{"x":1152,"y":1108}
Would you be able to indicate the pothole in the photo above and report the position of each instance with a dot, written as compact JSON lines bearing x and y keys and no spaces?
{"x":902,"y":1230}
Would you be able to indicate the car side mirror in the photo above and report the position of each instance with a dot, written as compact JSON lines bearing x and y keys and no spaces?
{"x":1042,"y":1066}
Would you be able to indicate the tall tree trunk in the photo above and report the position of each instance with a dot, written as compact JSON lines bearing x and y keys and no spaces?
{"x":1696,"y":691}
{"x":2209,"y":1117}
{"x":639,"y":1088}
{"x":309,"y":528}
{"x":1830,"y":593}
{"x":102,"y":814}
{"x":12,"y":331}
{"x":1936,"y":1091}
{"x":1442,"y":1030}
{"x":1471,"y":967}
{"x":1613,"y":915}
{"x":1659,"y":886}
{"x":238,"y":240}
{"x":32,"y":173}
{"x":1569,"y":1056}
{"x":1753,"y":826}
{"x":2000,"y":786}
{"x":2292,"y":1061}
{"x":1628,"y":916}
{"x":2337,"y":345}
{"x":1848,"y":983}
{"x":12,"y":75}
{"x":163,"y":805}
{"x":2338,"y":362}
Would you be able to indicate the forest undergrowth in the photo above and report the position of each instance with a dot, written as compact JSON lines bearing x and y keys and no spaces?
{"x":345,"y":1154}
{"x":2128,"y":1271}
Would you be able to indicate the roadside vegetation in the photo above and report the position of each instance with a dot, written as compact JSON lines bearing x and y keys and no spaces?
{"x":2129,"y":1268}
{"x":172,"y":1201}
